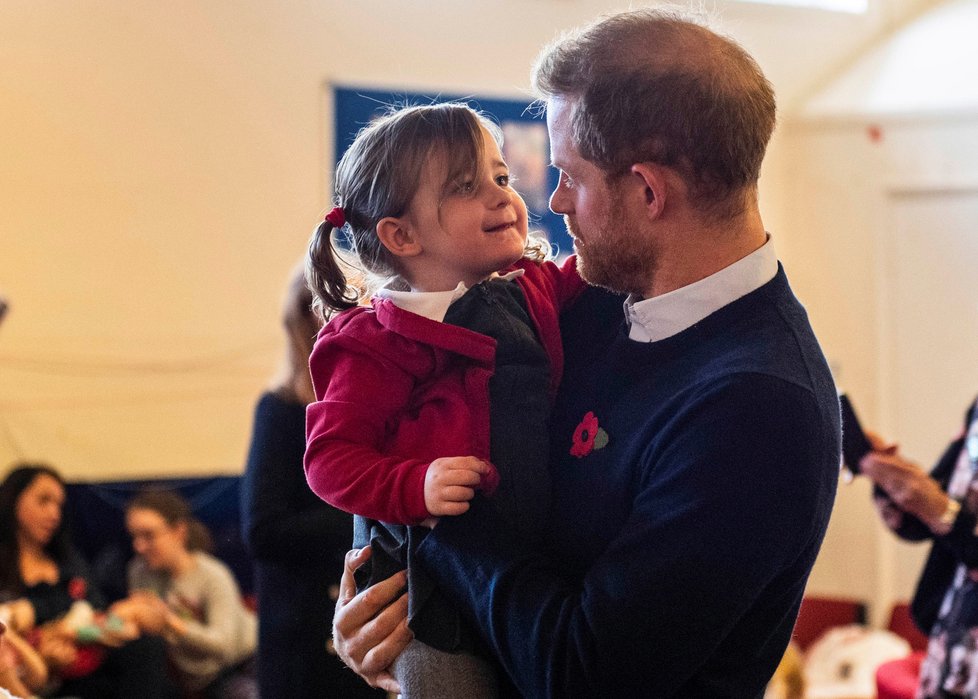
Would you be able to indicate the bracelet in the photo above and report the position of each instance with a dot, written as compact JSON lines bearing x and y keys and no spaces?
{"x":946,"y":522}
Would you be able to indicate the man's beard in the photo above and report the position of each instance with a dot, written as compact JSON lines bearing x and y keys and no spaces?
{"x":610,"y":259}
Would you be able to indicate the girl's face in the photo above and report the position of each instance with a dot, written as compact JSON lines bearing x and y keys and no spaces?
{"x":156,"y":540}
{"x":478,"y":228}
{"x":39,"y":510}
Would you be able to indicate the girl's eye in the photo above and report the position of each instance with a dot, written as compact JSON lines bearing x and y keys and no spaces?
{"x":465,"y":187}
{"x":503,"y":180}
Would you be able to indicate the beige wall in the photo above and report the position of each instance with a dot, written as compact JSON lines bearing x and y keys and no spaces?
{"x":162,"y":164}
{"x":846,"y":177}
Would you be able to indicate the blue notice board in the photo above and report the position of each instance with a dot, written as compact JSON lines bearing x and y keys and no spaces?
{"x":526,"y":146}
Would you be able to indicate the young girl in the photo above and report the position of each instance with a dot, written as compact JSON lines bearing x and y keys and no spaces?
{"x":448,"y":376}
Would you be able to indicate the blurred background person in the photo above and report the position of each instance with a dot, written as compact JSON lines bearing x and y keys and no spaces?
{"x":190,"y":598}
{"x":22,"y":670}
{"x":49,"y":587}
{"x":940,"y":507}
{"x":297,"y":540}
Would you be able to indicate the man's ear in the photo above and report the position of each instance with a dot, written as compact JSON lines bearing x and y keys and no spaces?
{"x":653,"y":181}
{"x":398,"y":237}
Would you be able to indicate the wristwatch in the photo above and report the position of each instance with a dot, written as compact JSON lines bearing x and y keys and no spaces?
{"x":946,"y":523}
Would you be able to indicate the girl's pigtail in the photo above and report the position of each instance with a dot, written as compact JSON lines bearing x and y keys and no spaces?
{"x":326,"y":280}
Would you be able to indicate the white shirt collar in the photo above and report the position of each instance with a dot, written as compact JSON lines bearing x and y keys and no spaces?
{"x":433,"y":305}
{"x":663,"y":316}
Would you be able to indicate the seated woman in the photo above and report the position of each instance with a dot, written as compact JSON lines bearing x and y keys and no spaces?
{"x":47,"y":579}
{"x":187,"y":596}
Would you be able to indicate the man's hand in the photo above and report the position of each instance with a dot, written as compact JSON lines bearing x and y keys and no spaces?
{"x":451,"y":482}
{"x":370,"y":629}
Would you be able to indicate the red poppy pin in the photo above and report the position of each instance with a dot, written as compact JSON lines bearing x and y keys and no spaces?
{"x":77,"y":587}
{"x":588,"y":436}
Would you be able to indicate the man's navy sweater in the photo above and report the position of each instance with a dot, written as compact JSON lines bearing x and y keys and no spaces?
{"x":693,"y":482}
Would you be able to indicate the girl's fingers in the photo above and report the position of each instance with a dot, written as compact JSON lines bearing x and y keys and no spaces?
{"x":455,"y":493}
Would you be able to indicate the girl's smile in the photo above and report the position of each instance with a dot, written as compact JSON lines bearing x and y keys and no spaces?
{"x":477,"y":227}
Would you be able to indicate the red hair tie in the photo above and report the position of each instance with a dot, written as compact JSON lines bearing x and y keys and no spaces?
{"x":336,"y":217}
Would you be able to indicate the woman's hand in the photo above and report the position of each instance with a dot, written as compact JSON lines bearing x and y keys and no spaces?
{"x":907,"y":485}
{"x":143,"y":609}
{"x":19,"y":613}
{"x":891,"y":515}
{"x":56,"y":648}
{"x":370,"y":629}
{"x":117,"y":632}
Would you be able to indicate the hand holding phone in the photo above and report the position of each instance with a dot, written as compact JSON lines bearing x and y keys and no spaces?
{"x":855,"y":444}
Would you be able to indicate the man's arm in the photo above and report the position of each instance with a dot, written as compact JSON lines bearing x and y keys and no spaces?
{"x":725,"y":524}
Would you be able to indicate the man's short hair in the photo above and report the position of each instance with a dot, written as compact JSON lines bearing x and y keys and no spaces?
{"x":652,"y":85}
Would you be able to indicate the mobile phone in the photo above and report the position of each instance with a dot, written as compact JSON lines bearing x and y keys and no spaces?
{"x":855,"y":444}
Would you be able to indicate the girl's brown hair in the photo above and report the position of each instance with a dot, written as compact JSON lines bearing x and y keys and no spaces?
{"x":173,"y":508}
{"x":378,"y":177}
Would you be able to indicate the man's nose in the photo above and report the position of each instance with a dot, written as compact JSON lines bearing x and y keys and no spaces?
{"x":558,"y":202}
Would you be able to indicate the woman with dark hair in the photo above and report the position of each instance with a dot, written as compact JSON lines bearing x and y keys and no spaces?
{"x":181,"y":592}
{"x":41,"y":570}
{"x":297,"y":540}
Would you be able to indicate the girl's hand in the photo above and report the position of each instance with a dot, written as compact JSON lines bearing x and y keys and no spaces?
{"x":451,"y":482}
{"x":370,"y":629}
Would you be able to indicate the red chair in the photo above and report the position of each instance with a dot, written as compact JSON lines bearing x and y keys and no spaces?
{"x":897,"y":679}
{"x":819,"y":614}
{"x":902,"y":624}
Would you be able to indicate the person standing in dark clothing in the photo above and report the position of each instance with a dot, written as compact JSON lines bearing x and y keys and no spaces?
{"x":296,"y":539}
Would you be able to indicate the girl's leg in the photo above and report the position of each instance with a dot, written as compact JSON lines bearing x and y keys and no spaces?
{"x":427,"y":673}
